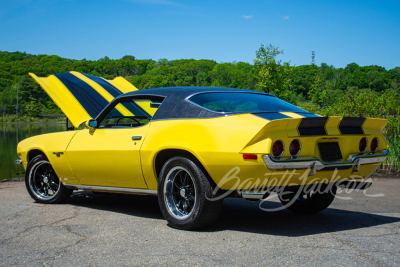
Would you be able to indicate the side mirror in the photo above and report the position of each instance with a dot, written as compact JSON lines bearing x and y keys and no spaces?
{"x":155,"y":105}
{"x":91,"y":124}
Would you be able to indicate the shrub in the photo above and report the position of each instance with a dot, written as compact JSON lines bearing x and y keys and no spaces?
{"x":12,"y":118}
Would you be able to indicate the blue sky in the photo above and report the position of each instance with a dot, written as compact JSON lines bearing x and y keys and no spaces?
{"x":340,"y":32}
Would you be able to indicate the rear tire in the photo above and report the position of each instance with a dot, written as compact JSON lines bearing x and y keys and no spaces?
{"x":42,"y":182}
{"x":312,"y":202}
{"x":183,"y":190}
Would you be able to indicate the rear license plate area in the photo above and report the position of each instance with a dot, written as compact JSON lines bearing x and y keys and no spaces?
{"x":330,"y":151}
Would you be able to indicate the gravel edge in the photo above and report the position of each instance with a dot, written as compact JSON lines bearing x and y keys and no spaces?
{"x":20,"y":179}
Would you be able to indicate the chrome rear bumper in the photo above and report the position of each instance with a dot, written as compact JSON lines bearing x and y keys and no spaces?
{"x":318,"y":165}
{"x":18,"y":161}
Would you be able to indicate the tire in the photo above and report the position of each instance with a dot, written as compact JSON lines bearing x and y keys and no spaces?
{"x":312,"y":202}
{"x":42,"y":182}
{"x":183,"y":189}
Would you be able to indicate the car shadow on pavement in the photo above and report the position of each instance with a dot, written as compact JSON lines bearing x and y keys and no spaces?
{"x":135,"y":205}
{"x":241,"y":215}
{"x":245,"y":216}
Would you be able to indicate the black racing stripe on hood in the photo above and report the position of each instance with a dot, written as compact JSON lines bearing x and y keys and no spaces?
{"x":351,"y":125}
{"x":272,"y":116}
{"x":88,"y":97}
{"x":112,"y":90}
{"x":313,"y":126}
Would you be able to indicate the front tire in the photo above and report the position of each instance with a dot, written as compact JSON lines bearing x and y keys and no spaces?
{"x":42,"y":182}
{"x":295,"y":200}
{"x":183,"y":189}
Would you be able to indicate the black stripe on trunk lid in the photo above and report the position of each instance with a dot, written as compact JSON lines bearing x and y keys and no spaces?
{"x":313,"y":126}
{"x":272,"y":116}
{"x":351,"y":125}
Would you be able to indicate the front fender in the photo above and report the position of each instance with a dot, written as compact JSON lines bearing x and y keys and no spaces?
{"x":53,"y":146}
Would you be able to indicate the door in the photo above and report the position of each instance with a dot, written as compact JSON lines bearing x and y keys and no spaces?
{"x":109,"y":154}
{"x":108,"y":157}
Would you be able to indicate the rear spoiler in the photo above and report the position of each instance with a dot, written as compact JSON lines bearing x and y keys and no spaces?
{"x":295,"y":127}
{"x":334,"y":126}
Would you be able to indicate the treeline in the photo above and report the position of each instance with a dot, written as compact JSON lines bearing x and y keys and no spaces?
{"x":320,"y":85}
{"x":361,"y":91}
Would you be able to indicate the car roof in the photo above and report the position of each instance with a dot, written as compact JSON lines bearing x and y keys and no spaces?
{"x":175,"y":105}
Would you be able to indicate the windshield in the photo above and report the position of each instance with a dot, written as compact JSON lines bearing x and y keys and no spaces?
{"x":243,"y":102}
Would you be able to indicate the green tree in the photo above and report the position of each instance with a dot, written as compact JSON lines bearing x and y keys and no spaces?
{"x":33,"y":107}
{"x":128,"y":57}
{"x":318,"y":94}
{"x":272,"y":74}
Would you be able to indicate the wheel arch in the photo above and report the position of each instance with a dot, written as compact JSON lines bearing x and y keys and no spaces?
{"x":33,"y":153}
{"x":164,"y":155}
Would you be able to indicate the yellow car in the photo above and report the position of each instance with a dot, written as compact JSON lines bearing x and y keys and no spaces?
{"x":193,"y":146}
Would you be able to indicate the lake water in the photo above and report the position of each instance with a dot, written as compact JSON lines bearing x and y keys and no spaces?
{"x":10,"y":135}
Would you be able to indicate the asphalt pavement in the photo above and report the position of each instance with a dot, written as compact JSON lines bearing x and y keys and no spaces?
{"x":98,"y":230}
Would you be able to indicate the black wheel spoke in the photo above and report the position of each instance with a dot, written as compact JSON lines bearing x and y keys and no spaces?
{"x":182,"y":179}
{"x":45,"y":170}
{"x":185,"y":207}
{"x":45,"y":191}
{"x":180,"y":203}
{"x":54,"y":187}
{"x":39,"y":174}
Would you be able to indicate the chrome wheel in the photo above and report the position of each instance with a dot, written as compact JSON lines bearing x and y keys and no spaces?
{"x":179,"y":193}
{"x":43,"y":181}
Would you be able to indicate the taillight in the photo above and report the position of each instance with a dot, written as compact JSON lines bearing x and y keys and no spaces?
{"x":277,"y":148}
{"x":250,"y":156}
{"x":362,"y":146}
{"x":374,"y":144}
{"x":295,"y":147}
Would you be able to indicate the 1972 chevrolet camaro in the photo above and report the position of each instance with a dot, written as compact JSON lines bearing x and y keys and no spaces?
{"x":193,"y":146}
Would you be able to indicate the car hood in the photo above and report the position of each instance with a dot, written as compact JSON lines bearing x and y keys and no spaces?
{"x":82,"y":97}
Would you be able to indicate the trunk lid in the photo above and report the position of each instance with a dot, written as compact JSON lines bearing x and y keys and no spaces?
{"x":303,"y":125}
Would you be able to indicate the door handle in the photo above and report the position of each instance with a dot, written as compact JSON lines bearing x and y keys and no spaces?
{"x":136,"y":137}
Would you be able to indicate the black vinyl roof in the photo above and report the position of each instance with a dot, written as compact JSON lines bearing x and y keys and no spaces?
{"x":175,"y":105}
{"x":186,"y":91}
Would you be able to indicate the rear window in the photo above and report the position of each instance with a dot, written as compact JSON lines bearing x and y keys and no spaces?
{"x":243,"y":102}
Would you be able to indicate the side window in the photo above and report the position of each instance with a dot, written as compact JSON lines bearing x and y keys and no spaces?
{"x":130,"y":113}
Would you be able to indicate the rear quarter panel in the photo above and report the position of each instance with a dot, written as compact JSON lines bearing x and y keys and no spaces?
{"x":215,"y":142}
